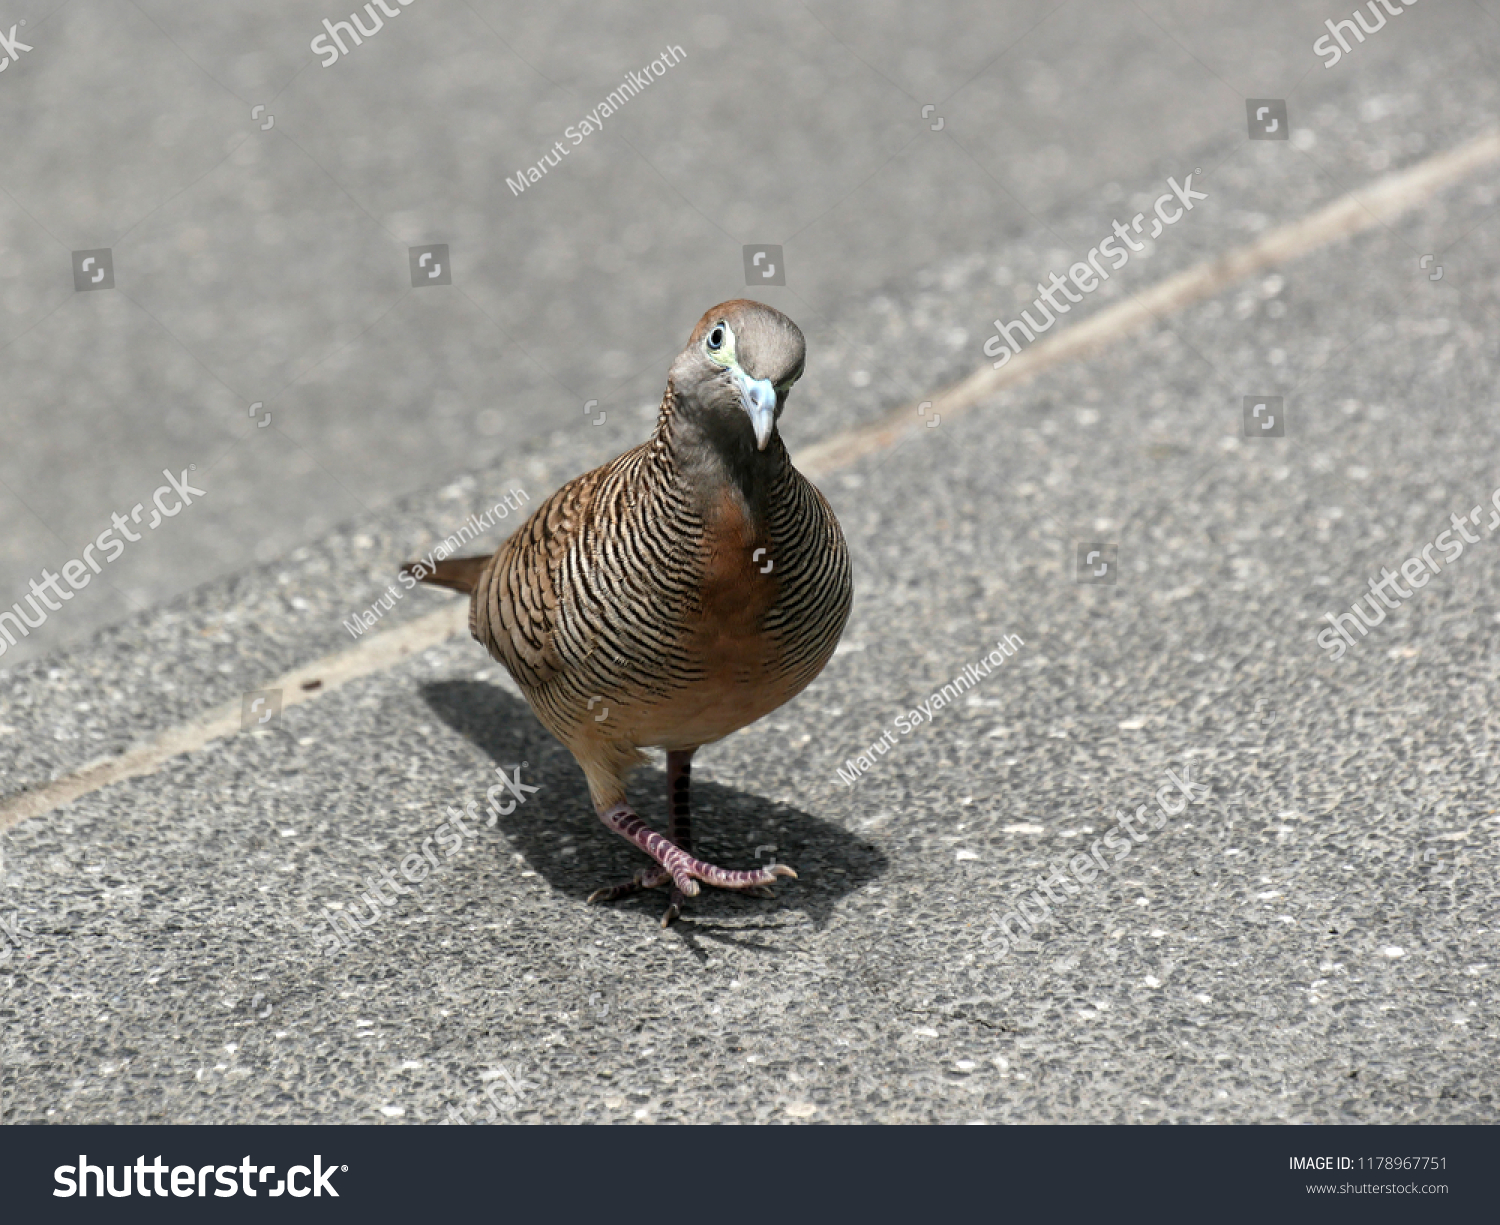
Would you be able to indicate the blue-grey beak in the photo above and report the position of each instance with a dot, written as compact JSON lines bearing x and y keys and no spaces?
{"x":759,"y":400}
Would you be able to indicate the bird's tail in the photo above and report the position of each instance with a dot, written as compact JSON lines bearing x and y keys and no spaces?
{"x":455,"y":573}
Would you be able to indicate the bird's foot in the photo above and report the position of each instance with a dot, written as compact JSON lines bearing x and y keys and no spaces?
{"x":655,"y":877}
{"x":687,"y":872}
{"x":646,"y":878}
{"x":677,"y":866}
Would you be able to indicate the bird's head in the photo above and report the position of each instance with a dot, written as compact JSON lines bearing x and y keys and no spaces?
{"x":733,"y":378}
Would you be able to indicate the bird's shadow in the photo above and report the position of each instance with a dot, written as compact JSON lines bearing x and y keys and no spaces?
{"x":563,"y":841}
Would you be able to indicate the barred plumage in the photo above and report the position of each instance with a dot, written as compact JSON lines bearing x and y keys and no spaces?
{"x":679,"y":592}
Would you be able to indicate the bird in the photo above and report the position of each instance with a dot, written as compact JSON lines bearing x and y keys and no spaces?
{"x":674,"y":595}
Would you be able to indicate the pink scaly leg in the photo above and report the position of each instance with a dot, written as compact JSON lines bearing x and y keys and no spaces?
{"x":674,"y":855}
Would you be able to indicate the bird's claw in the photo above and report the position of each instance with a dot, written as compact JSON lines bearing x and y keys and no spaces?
{"x":674,"y":909}
{"x":685,"y":886}
{"x":646,"y":878}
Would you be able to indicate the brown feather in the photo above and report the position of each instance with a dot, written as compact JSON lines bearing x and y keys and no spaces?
{"x":677,"y":593}
{"x":455,"y":573}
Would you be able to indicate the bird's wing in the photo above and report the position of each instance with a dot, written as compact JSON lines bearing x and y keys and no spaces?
{"x":516,"y":608}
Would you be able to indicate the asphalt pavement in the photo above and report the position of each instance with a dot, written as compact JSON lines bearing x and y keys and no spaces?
{"x":1302,"y":926}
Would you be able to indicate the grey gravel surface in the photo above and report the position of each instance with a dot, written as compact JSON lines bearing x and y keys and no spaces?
{"x":1314,"y":941}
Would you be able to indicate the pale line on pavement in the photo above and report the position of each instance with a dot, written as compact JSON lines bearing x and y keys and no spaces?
{"x":1378,"y":204}
{"x":374,"y":654}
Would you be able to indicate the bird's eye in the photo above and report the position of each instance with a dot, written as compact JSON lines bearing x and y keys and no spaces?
{"x":716,"y":338}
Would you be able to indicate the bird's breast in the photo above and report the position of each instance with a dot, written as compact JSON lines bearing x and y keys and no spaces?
{"x":739,"y":580}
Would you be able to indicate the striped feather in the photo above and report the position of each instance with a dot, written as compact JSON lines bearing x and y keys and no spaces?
{"x":627,"y":587}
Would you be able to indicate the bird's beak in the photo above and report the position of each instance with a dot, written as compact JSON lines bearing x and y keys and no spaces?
{"x":758,"y":399}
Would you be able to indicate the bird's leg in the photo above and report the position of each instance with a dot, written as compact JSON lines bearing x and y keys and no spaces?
{"x":679,"y":771}
{"x":685,"y":872}
{"x":680,"y":797}
{"x":679,"y":792}
{"x":674,"y":855}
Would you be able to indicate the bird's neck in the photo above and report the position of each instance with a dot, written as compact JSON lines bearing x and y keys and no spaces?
{"x":713,"y":457}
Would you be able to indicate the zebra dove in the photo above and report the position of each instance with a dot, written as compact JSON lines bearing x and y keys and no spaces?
{"x":674,"y":595}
